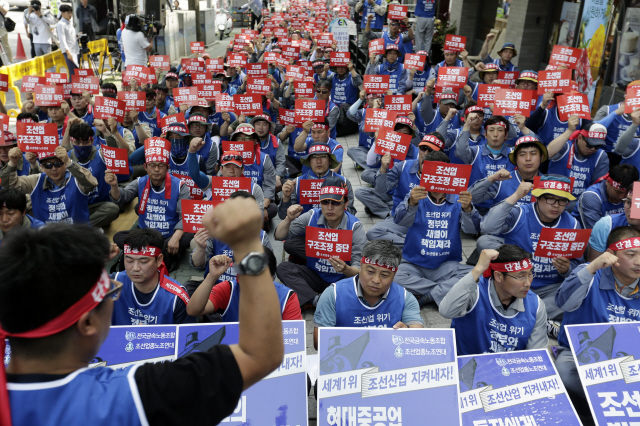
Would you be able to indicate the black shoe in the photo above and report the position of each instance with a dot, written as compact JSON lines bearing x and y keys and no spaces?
{"x":368,"y":211}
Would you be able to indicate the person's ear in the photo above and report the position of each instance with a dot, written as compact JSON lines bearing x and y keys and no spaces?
{"x":498,"y":276}
{"x":88,"y":324}
{"x":159,"y":259}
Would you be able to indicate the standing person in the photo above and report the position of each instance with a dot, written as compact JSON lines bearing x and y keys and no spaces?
{"x":28,"y":30}
{"x":40,"y":23}
{"x":136,"y":45}
{"x":377,"y":9}
{"x":4,"y":35}
{"x":67,"y":39}
{"x":87,"y":16}
{"x":506,"y":53}
{"x":425,"y":18}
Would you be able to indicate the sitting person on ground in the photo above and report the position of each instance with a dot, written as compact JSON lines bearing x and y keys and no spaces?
{"x":391,"y":66}
{"x":13,"y":213}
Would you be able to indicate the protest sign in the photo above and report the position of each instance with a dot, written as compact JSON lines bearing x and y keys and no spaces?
{"x":257,"y":70}
{"x":508,"y":78}
{"x":376,"y":83}
{"x":399,"y":103}
{"x":326,"y":243}
{"x":445,"y":178}
{"x":339,"y":59}
{"x":199,"y":78}
{"x":486,"y":93}
{"x":142,"y":75}
{"x":287,"y":117}
{"x":134,"y":101}
{"x":29,"y":82}
{"x":376,"y":118}
{"x":197,"y":47}
{"x":310,"y":110}
{"x":635,"y":202}
{"x":39,"y":138}
{"x":83,"y":72}
{"x":371,"y":375}
{"x":396,"y":144}
{"x":192,"y":65}
{"x":215,"y":66}
{"x":116,"y":159}
{"x":166,"y":121}
{"x":564,"y":55}
{"x":55,"y":77}
{"x":280,"y":33}
{"x":195,"y":193}
{"x":455,"y":43}
{"x":291,"y":52}
{"x":136,"y":344}
{"x":185,"y":95}
{"x":295,"y":72}
{"x":412,"y":60}
{"x":453,"y":76}
{"x":248,"y":104}
{"x":506,"y":387}
{"x":446,"y":92}
{"x":272,"y":57}
{"x":310,"y":192}
{"x":376,"y":47}
{"x":258,"y":85}
{"x":632,"y":99}
{"x":397,"y":12}
{"x":81,"y":84}
{"x":554,"y":81}
{"x":573,"y":104}
{"x":569,"y":243}
{"x":162,"y":62}
{"x":105,"y":108}
{"x":303,"y":89}
{"x":236,"y":60}
{"x":512,"y":102}
{"x":224,"y":103}
{"x":223,"y":187}
{"x":4,"y":83}
{"x":325,"y":39}
{"x":209,"y":91}
{"x":192,"y":212}
{"x":48,"y":95}
{"x":245,"y":148}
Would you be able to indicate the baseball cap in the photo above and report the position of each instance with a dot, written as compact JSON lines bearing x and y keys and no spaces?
{"x":433,"y":142}
{"x":178,"y":128}
{"x":334,"y":188}
{"x":247,"y":129}
{"x":594,"y":133}
{"x":557,"y":185}
{"x":449,"y":97}
{"x":232,"y":157}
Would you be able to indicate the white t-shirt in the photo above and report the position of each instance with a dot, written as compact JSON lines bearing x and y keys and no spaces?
{"x":39,"y":26}
{"x":135,"y":43}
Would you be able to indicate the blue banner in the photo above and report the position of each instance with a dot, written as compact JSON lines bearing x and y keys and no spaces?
{"x":281,"y":397}
{"x":387,"y":377}
{"x":608,"y":360}
{"x":518,"y":388}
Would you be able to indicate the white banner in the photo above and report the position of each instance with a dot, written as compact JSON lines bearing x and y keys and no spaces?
{"x":292,"y":363}
{"x":611,"y":370}
{"x":508,"y":396}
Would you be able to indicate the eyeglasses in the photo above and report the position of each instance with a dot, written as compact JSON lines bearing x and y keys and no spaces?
{"x":424,"y":148}
{"x":526,"y":278}
{"x":49,"y":166}
{"x":323,"y":91}
{"x":331,"y":202}
{"x":552,"y":201}
{"x":156,"y":165}
{"x":394,"y":24}
{"x":319,"y":156}
{"x":114,"y":292}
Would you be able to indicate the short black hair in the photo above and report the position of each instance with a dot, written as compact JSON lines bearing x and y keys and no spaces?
{"x":437,"y":156}
{"x":241,"y":194}
{"x":65,"y":8}
{"x":495,"y":119}
{"x":150,"y":93}
{"x":161,"y":86}
{"x":13,"y":199}
{"x":271,"y":258}
{"x":24,"y":115}
{"x":510,"y":253}
{"x":626,"y":174}
{"x":81,"y":131}
{"x":323,"y":83}
{"x":144,"y":237}
{"x":110,"y":86}
{"x":622,"y":233}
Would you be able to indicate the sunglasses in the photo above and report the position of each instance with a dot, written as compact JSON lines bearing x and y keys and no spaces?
{"x":49,"y":166}
{"x":322,"y":91}
{"x":591,"y":146}
{"x":331,"y":202}
{"x":394,"y":24}
{"x":232,"y":158}
{"x":424,"y":148}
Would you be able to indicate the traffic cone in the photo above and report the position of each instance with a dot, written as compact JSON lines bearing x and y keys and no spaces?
{"x":20,"y":56}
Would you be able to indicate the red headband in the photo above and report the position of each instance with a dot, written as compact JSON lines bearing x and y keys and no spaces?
{"x":554,"y":184}
{"x":107,"y":90}
{"x":474,"y":108}
{"x":497,"y":123}
{"x":320,"y":126}
{"x":368,"y":261}
{"x":319,"y":148}
{"x":333,"y":190}
{"x":588,"y":134}
{"x":616,"y":185}
{"x":526,"y":139}
{"x":629,"y":243}
{"x":149,"y":251}
{"x":517,"y":266}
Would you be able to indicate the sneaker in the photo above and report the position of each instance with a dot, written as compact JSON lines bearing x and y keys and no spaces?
{"x":553,"y":328}
{"x":425,"y":299}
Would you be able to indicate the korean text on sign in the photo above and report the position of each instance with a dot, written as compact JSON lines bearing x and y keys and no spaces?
{"x":569,"y":243}
{"x":223,"y":187}
{"x":245,"y":148}
{"x":445,"y":178}
{"x":192,"y":212}
{"x":310,"y":110}
{"x":327,"y":243}
{"x":396,"y":144}
{"x":116,"y":160}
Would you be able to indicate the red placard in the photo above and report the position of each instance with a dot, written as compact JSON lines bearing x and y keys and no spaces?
{"x":305,"y":45}
{"x":632,"y":100}
{"x":201,"y":78}
{"x":251,"y":33}
{"x":116,"y":159}
{"x":91,"y":84}
{"x":236,"y":60}
{"x":412,"y":60}
{"x":376,"y":118}
{"x":453,"y":76}
{"x":192,"y":65}
{"x":376,"y":47}
{"x":508,"y":77}
{"x":376,"y":83}
{"x":287,"y":117}
{"x":83,"y":72}
{"x":396,"y":144}
{"x":224,"y":103}
{"x":399,"y":103}
{"x":162,"y":62}
{"x":291,"y":52}
{"x":134,"y":101}
{"x":185,"y":95}
{"x":310,"y":191}
{"x":245,"y":148}
{"x":303,"y":89}
{"x":444,"y":177}
{"x":168,"y":120}
{"x":558,"y":81}
{"x":455,"y":43}
{"x":295,"y":72}
{"x":209,"y":91}
{"x":564,"y":55}
{"x":4,"y":83}
{"x":66,"y":89}
{"x":55,"y":77}
{"x":197,"y":47}
{"x":215,"y":65}
{"x":105,"y":108}
{"x":258,"y":85}
{"x":5,"y":122}
{"x":280,"y":32}
{"x":48,"y":96}
{"x":192,"y":212}
{"x":257,"y":70}
{"x":486,"y":93}
{"x":397,"y":12}
{"x":30,"y":82}
{"x":223,"y":187}
{"x":573,"y":104}
{"x":635,"y":203}
{"x":310,"y":110}
{"x":325,"y":40}
{"x":39,"y":138}
{"x":195,"y":193}
{"x":512,"y":102}
{"x":248,"y":104}
{"x":327,"y":243}
{"x":142,"y":75}
{"x":569,"y":243}
{"x":339,"y":59}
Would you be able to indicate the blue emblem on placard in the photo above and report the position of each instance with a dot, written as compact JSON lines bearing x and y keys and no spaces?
{"x":398,"y":352}
{"x":129,"y":347}
{"x":130,"y":335}
{"x":397,"y":340}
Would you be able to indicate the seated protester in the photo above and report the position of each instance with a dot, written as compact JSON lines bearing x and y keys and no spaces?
{"x":591,"y":289}
{"x":60,"y":193}
{"x":527,"y":80}
{"x":159,"y":206}
{"x":527,"y":156}
{"x":59,"y":115}
{"x":79,"y":139}
{"x":545,"y":121}
{"x":151,"y":115}
{"x":81,"y":108}
{"x":377,"y":9}
{"x":372,"y":293}
{"x":451,"y":59}
{"x":331,"y":111}
{"x":487,"y":76}
{"x":270,"y":145}
{"x":392,"y":36}
{"x":319,"y":134}
{"x":225,"y":79}
{"x":214,"y":295}
{"x":506,"y":53}
{"x":202,"y":107}
{"x":109,"y":90}
{"x":473,"y":118}
{"x":365,"y":139}
{"x":270,"y":107}
{"x":29,"y":162}
{"x":618,"y":123}
{"x":163,"y":102}
{"x":309,"y":280}
{"x":628,"y":143}
{"x":417,"y":80}
{"x":237,"y":77}
{"x":496,"y":293}
{"x":391,"y":185}
{"x":199,"y":127}
{"x":139,"y":129}
{"x":149,"y":295}
{"x":391,"y":66}
{"x":577,"y":154}
{"x":172,"y":81}
{"x":345,"y":86}
{"x":427,"y":118}
{"x":13,"y":213}
{"x":110,"y":133}
{"x":606,"y":197}
{"x":431,"y":257}
{"x":521,"y":225}
{"x":321,"y":71}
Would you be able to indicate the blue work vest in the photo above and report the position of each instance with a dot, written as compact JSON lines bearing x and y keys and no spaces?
{"x":333,"y":146}
{"x":398,"y":41}
{"x":393,"y":71}
{"x":552,"y":126}
{"x":343,"y":90}
{"x":232,"y":313}
{"x":292,"y":141}
{"x":581,"y":170}
{"x":506,"y":188}
{"x":633,"y":158}
{"x":425,"y":8}
{"x":485,"y":165}
{"x":351,"y":312}
{"x":180,"y":168}
{"x":151,"y":121}
{"x":420,"y":79}
{"x":377,"y":22}
{"x":168,"y":103}
{"x":256,"y":171}
{"x":406,"y":182}
{"x":66,"y":204}
{"x":221,"y":248}
{"x":607,"y":209}
{"x":97,"y":169}
{"x":311,"y":175}
{"x":619,"y":125}
{"x":271,"y":148}
{"x":160,"y":214}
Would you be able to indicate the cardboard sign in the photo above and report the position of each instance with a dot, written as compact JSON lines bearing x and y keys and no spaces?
{"x":55,"y":77}
{"x":508,"y":77}
{"x":224,"y":103}
{"x":310,"y":191}
{"x":326,"y":243}
{"x":215,"y":66}
{"x":287,"y":117}
{"x":564,"y":55}
{"x":209,"y":91}
{"x":453,"y":76}
{"x":192,"y":65}
{"x":162,"y":62}
{"x":236,"y":60}
{"x":376,"y":83}
{"x":295,"y":72}
{"x":197,"y":47}
{"x":199,"y":78}
{"x":195,"y":193}
{"x":192,"y":212}
{"x":248,"y":104}
{"x":246,"y":148}
{"x":632,"y":100}
{"x":455,"y":43}
{"x":257,"y":70}
{"x":507,"y":384}
{"x":573,"y":104}
{"x":414,"y":371}
{"x":142,"y":75}
{"x":83,"y":72}
{"x":512,"y":102}
{"x":4,"y":83}
{"x":81,"y":84}
{"x":251,"y":33}
{"x":166,"y":121}
{"x":569,"y":243}
{"x":304,"y":89}
{"x":47,"y":96}
{"x":30,"y":82}
{"x":444,"y":177}
{"x":185,"y":95}
{"x":554,"y":81}
{"x":325,"y":39}
{"x":258,"y":85}
{"x":486,"y":93}
{"x":339,"y":59}
{"x":134,"y":101}
{"x":396,"y":144}
{"x":223,"y":187}
{"x":376,"y":118}
{"x":310,"y":110}
{"x":376,"y":47}
{"x":399,"y":103}
{"x":397,"y":12}
{"x":105,"y":108}
{"x":412,"y":60}
{"x":116,"y":159}
{"x":39,"y":138}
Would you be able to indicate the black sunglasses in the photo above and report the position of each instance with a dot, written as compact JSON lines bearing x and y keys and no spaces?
{"x":56,"y":164}
{"x":425,"y":148}
{"x":332,"y":202}
{"x":322,"y":91}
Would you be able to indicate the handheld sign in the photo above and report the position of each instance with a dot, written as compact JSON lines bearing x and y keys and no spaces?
{"x":4,"y":83}
{"x":162,"y":62}
{"x":632,"y":100}
{"x":376,"y":118}
{"x":291,"y":52}
{"x":248,"y":104}
{"x":635,"y":202}
{"x":325,"y":39}
{"x":375,"y":373}
{"x":508,"y":78}
{"x":224,"y":103}
{"x":192,"y":212}
{"x":83,"y":72}
{"x":286,"y":117}
{"x":30,"y":82}
{"x":209,"y":91}
{"x":257,"y":70}
{"x":116,"y":159}
{"x":397,"y":12}
{"x":272,"y":57}
{"x":453,"y":76}
{"x":197,"y":47}
{"x":89,"y":84}
{"x":396,"y":144}
{"x":512,"y":102}
{"x":55,"y":77}
{"x":376,"y":46}
{"x":246,"y":148}
{"x":134,"y":101}
{"x":106,"y":108}
{"x":326,"y":243}
{"x":412,"y":60}
{"x":236,"y":60}
{"x":48,"y":95}
{"x":573,"y":104}
{"x":454,"y":43}
{"x":554,"y":81}
{"x":215,"y":66}
{"x":258,"y":85}
{"x":39,"y":138}
{"x":569,"y":243}
{"x":487,"y":93}
{"x":192,"y":65}
{"x":522,"y":387}
{"x":444,"y":177}
{"x":310,"y":110}
{"x":399,"y":103}
{"x":451,"y":93}
{"x":168,"y":120}
{"x":223,"y":187}
{"x":199,"y":78}
{"x":339,"y":59}
{"x":140,"y":74}
{"x":303,"y":89}
{"x":185,"y":95}
{"x":195,"y":193}
{"x":376,"y":83}
{"x":295,"y":72}
{"x":310,"y":191}
{"x":564,"y":55}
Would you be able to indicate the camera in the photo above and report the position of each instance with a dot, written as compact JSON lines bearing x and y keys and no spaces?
{"x":145,"y":24}
{"x":35,"y":5}
{"x":83,"y":41}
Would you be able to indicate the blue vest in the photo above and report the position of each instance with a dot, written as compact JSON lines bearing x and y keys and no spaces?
{"x":398,"y":41}
{"x":167,"y":106}
{"x":221,"y":248}
{"x":97,"y":169}
{"x":343,"y":90}
{"x":420,"y":79}
{"x":128,"y":311}
{"x":256,"y":171}
{"x":406,"y":182}
{"x":152,"y":122}
{"x":619,"y":125}
{"x":595,"y":307}
{"x":506,"y":188}
{"x":377,"y":22}
{"x":271,"y":149}
{"x":322,"y":266}
{"x":426,"y":128}
{"x":508,"y":67}
{"x":180,"y":168}
{"x":634,"y":157}
{"x":98,"y":396}
{"x":433,"y":237}
{"x":526,"y":233}
{"x":311,"y":175}
{"x":393,"y":71}
{"x":60,"y":130}
{"x":485,"y":165}
{"x":316,"y":76}
{"x":607,"y":209}
{"x":87,"y":117}
{"x":160,"y":214}
{"x":292,"y":141}
{"x":232,"y":313}
{"x":552,"y":126}
{"x":236,"y":81}
{"x":35,"y":223}
{"x":484,"y":330}
{"x":333,"y":145}
{"x":351,"y":312}
{"x":582,"y":171}
{"x":67,"y":204}
{"x":425,"y":8}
